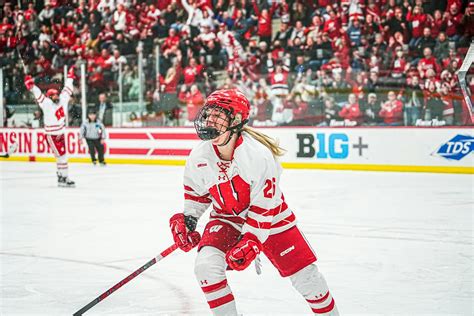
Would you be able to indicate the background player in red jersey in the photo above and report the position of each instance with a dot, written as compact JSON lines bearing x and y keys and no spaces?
{"x":54,"y":106}
{"x":235,"y":170}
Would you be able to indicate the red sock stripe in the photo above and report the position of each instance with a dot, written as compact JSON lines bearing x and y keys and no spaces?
{"x":214,"y":287}
{"x":326,"y":309}
{"x":319,"y":300}
{"x":221,"y":301}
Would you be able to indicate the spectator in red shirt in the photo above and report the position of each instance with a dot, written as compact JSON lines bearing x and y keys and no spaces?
{"x":453,"y":20}
{"x":427,"y":62}
{"x":300,"y":109}
{"x":44,"y":68}
{"x":392,"y":110}
{"x":332,"y":26}
{"x":5,"y":26}
{"x":399,"y":64}
{"x":172,"y":77}
{"x":264,"y":22}
{"x":171,"y":41}
{"x":452,"y":56}
{"x":351,"y":110}
{"x":30,"y":13}
{"x":437,"y":23}
{"x":416,"y":20}
{"x":446,"y":97}
{"x":11,"y":41}
{"x":192,"y":72}
{"x":195,"y":100}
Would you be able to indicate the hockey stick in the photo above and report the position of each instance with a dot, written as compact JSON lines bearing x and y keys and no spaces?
{"x":102,"y":296}
{"x":10,"y":151}
{"x":19,"y":53}
{"x":22,"y":61}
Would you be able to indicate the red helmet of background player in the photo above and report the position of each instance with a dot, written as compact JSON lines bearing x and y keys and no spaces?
{"x":51,"y":92}
{"x":225,"y":110}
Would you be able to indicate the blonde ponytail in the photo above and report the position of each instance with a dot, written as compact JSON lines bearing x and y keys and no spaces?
{"x":266,"y":140}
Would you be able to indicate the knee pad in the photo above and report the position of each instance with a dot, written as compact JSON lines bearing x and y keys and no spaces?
{"x":309,"y":281}
{"x":210,"y":265}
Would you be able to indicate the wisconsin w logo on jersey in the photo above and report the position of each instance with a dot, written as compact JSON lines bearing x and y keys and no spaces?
{"x":232,"y":196}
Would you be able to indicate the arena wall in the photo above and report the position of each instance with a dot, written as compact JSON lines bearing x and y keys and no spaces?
{"x":441,"y":150}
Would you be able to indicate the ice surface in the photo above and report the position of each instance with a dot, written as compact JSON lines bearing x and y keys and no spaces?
{"x":388,"y":243}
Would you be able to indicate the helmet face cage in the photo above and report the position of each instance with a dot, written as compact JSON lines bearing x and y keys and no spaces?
{"x":212,"y":121}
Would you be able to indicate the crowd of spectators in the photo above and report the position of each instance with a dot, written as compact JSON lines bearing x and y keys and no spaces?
{"x":300,"y":62}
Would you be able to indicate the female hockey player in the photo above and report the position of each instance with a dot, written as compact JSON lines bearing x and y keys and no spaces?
{"x":235,"y":170}
{"x":54,"y":106}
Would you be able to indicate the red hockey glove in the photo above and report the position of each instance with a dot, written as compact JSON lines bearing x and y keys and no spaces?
{"x":29,"y":82}
{"x":72,"y":73}
{"x":244,"y":252}
{"x":185,"y":239}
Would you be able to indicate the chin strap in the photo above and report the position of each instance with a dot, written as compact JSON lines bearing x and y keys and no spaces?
{"x":234,"y":129}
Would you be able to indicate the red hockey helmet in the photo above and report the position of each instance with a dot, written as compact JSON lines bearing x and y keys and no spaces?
{"x":51,"y":92}
{"x":231,"y":99}
{"x":220,"y":112}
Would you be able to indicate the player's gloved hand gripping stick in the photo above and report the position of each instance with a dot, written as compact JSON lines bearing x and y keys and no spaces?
{"x":241,"y":255}
{"x":190,"y":241}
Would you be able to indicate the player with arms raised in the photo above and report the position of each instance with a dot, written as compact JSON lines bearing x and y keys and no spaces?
{"x":235,"y":171}
{"x":54,"y":106}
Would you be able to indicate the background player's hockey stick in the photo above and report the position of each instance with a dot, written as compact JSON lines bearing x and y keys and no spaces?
{"x":10,"y":151}
{"x":17,"y":35}
{"x":102,"y":296}
{"x":22,"y":62}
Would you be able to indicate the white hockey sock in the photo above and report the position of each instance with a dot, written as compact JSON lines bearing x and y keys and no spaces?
{"x":62,"y":166}
{"x":312,"y":285}
{"x":210,"y":272}
{"x":323,"y":305}
{"x":220,"y":299}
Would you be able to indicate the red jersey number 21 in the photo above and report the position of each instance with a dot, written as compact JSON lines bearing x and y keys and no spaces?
{"x":59,"y":113}
{"x":270,"y":188}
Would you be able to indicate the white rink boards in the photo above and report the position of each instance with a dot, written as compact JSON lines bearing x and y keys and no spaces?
{"x":388,"y":243}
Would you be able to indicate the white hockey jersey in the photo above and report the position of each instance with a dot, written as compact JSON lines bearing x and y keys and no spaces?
{"x":243,"y":192}
{"x":54,"y":114}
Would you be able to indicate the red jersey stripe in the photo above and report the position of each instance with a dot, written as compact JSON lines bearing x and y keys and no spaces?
{"x":214,"y":287}
{"x":285,"y":221}
{"x":265,"y":212}
{"x":199,"y":199}
{"x":53,"y":129}
{"x":319,"y":300}
{"x":221,"y":301}
{"x":256,"y":224}
{"x":278,"y":209}
{"x":324,"y":310}
{"x":261,"y":211}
